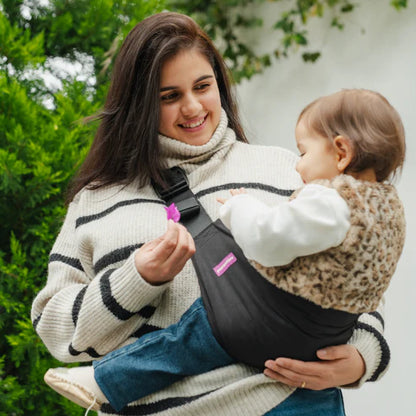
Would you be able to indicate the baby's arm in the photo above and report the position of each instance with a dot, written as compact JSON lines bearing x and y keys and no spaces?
{"x":315,"y":221}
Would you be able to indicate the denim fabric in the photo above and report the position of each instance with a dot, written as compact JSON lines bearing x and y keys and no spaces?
{"x":160,"y":358}
{"x":304,"y":402}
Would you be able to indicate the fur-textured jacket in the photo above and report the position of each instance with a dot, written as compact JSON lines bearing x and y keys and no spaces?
{"x":354,"y":275}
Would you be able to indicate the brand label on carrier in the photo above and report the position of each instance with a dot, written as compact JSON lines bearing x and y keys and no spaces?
{"x":224,"y":264}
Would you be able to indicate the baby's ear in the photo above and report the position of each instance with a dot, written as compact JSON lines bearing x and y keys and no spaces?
{"x":344,"y":152}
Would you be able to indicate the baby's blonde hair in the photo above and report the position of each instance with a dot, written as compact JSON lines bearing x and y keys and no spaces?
{"x":369,"y":121}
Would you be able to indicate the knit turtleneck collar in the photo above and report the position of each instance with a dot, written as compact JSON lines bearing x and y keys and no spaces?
{"x":188,"y":156}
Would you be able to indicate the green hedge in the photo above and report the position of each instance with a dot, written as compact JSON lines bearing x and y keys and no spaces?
{"x":43,"y":139}
{"x":39,"y":152}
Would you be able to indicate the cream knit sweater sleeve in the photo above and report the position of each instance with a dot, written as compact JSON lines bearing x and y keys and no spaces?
{"x":112,"y":296}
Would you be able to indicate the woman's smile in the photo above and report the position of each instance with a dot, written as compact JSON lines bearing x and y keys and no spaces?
{"x":194,"y":125}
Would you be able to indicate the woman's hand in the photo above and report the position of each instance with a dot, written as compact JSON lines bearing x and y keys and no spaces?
{"x":160,"y":260}
{"x":340,"y":366}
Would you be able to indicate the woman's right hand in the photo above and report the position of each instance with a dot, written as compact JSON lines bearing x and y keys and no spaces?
{"x":340,"y":365}
{"x":160,"y":260}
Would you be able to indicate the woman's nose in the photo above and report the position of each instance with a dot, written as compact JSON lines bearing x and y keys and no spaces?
{"x":191,"y":106}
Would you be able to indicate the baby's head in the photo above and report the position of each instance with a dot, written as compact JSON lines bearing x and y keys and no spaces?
{"x":352,"y":131}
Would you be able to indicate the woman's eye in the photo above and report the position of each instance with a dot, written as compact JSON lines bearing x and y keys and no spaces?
{"x":201,"y":87}
{"x":169,"y":97}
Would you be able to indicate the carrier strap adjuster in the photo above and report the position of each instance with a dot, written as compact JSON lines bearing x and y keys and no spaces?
{"x":188,"y":207}
{"x":193,"y":214}
{"x":177,"y":183}
{"x":178,"y":192}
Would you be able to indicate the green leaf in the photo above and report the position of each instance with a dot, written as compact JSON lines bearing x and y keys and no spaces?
{"x":311,"y":56}
{"x":399,"y":4}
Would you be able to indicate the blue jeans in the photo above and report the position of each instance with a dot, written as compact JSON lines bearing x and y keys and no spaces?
{"x":304,"y":402}
{"x":160,"y":358}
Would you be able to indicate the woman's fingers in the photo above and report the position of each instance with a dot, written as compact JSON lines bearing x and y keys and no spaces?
{"x":280,"y":377}
{"x":291,"y":372}
{"x":341,"y":365}
{"x":183,"y":251}
{"x":167,"y":243}
{"x":338,"y":352}
{"x":275,"y":376}
{"x":161,"y":259}
{"x":295,"y":367}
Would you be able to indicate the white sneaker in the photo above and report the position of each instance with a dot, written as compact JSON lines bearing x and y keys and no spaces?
{"x":76,"y":384}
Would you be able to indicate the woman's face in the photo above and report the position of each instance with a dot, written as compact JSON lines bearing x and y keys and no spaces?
{"x":190,"y":103}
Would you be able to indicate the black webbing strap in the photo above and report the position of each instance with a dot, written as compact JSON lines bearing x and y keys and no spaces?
{"x":193,"y":215}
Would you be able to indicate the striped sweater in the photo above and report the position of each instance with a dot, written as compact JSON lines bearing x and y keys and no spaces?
{"x":95,"y":301}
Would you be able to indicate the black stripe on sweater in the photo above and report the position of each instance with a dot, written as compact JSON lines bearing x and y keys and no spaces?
{"x":385,"y":350}
{"x":152,"y":408}
{"x":36,"y":321}
{"x":147,"y":311}
{"x":247,"y":185}
{"x":88,"y":218}
{"x":114,"y":257}
{"x":90,"y":351}
{"x":378,"y":317}
{"x":145,"y":329}
{"x":76,"y":307}
{"x":114,"y":307}
{"x":70,"y":261}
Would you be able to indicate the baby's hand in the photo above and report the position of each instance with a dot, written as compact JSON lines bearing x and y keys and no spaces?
{"x":233,"y":192}
{"x":240,"y":191}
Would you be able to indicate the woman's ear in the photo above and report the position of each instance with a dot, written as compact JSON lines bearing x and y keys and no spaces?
{"x":344,"y":152}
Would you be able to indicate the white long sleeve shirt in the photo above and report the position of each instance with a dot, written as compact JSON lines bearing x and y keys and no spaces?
{"x":317,"y":219}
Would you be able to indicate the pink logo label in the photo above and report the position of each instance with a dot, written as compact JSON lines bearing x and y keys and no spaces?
{"x":224,"y":264}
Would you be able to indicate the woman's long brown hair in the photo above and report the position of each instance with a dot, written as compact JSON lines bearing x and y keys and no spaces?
{"x":125,"y":147}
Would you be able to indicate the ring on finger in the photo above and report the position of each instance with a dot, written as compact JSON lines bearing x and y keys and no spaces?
{"x":303,"y":385}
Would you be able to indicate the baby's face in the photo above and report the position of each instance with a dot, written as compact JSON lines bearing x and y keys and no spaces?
{"x":318,"y":157}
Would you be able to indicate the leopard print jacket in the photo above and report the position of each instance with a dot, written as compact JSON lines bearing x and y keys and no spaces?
{"x":354,"y":275}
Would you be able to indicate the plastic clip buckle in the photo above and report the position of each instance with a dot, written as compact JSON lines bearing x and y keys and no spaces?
{"x":177,"y":182}
{"x":188,"y":207}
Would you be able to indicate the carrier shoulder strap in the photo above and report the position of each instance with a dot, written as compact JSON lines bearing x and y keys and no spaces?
{"x":193,"y":215}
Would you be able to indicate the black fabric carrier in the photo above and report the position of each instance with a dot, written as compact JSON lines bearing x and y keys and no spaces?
{"x":252,"y":319}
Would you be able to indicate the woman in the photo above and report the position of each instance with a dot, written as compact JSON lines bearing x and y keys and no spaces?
{"x":116,"y":272}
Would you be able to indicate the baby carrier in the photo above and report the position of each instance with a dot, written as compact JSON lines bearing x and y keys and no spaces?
{"x":251,"y":319}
